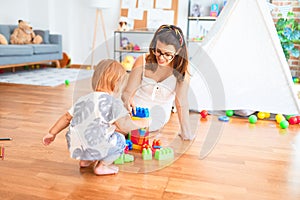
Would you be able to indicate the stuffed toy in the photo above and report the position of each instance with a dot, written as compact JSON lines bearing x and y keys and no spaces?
{"x":128,"y":62}
{"x":123,"y":25}
{"x":3,"y":40}
{"x":24,"y":34}
{"x":126,"y":45}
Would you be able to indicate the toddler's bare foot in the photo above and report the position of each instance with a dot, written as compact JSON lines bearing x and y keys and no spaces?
{"x":101,"y":169}
{"x":85,"y":163}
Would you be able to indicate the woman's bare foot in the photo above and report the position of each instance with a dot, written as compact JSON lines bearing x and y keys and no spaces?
{"x":85,"y":163}
{"x":101,"y":169}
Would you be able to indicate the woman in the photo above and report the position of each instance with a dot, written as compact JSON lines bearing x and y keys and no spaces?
{"x":161,"y":77}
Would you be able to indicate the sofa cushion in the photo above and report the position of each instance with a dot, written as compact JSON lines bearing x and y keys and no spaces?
{"x":44,"y":34}
{"x":5,"y":31}
{"x":45,"y":48}
{"x":16,"y":50}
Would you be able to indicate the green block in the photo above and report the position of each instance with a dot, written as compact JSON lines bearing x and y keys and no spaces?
{"x":124,"y":158}
{"x":147,"y":154}
{"x":164,"y":154}
{"x":119,"y":160}
{"x":128,"y":158}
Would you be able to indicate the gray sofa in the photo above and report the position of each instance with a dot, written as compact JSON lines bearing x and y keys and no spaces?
{"x":20,"y":55}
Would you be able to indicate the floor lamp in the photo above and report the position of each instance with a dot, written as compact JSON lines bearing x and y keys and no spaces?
{"x":99,"y":5}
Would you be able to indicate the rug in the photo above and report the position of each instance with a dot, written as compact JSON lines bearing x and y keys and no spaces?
{"x":45,"y":76}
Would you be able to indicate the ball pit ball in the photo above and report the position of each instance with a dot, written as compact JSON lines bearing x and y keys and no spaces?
{"x":204,"y":113}
{"x":284,"y":124}
{"x":67,"y":82}
{"x":293,"y":120}
{"x":267,"y":115}
{"x":279,"y":118}
{"x":229,"y":113}
{"x":252,"y":119}
{"x":298,"y":117}
{"x":261,"y":115}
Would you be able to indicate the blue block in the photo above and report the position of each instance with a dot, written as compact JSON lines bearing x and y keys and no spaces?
{"x":141,"y":112}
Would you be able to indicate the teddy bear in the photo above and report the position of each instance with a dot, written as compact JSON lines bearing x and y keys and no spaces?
{"x":24,"y":34}
{"x":3,"y":40}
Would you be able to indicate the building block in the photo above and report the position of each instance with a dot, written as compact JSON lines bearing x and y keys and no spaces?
{"x":139,"y":136}
{"x":124,"y":158}
{"x":147,"y":154}
{"x":140,"y":113}
{"x":129,"y":144}
{"x":164,"y":154}
{"x":136,"y":147}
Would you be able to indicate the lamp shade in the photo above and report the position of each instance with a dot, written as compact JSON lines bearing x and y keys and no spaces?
{"x":100,"y":3}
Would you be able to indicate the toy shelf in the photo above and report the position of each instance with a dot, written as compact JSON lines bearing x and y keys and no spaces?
{"x":140,"y":37}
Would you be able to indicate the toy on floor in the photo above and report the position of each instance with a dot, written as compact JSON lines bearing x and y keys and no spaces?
{"x":223,"y":118}
{"x":284,"y":124}
{"x":252,"y":119}
{"x":204,"y":113}
{"x":229,"y":113}
{"x":124,"y":158}
{"x":164,"y":154}
{"x":67,"y":82}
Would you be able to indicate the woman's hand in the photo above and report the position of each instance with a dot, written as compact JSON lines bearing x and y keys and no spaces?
{"x":48,"y":139}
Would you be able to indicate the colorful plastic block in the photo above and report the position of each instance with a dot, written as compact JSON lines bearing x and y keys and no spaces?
{"x":140,"y":136}
{"x":164,"y":154}
{"x":124,"y":158}
{"x":147,"y":154}
{"x":129,"y":144}
{"x":141,"y":112}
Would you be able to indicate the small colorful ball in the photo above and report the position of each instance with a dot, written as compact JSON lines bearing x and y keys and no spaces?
{"x":67,"y":82}
{"x":261,"y":115}
{"x":204,"y":113}
{"x":298,"y":117}
{"x":252,"y":119}
{"x":229,"y":113}
{"x":279,"y":118}
{"x":293,"y":120}
{"x":267,"y":115}
{"x":284,"y":124}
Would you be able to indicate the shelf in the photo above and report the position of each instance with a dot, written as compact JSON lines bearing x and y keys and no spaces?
{"x":204,"y":18}
{"x":142,"y":37}
{"x":131,"y":51}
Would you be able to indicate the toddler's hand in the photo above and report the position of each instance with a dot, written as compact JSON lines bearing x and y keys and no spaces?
{"x":48,"y":139}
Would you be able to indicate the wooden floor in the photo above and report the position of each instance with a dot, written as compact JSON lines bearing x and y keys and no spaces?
{"x":252,"y":162}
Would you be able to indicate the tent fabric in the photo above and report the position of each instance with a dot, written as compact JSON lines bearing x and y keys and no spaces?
{"x":241,"y":65}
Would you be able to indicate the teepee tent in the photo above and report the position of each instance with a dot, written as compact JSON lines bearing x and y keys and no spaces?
{"x":241,"y":64}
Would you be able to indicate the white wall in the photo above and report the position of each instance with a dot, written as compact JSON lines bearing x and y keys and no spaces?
{"x":74,"y":19}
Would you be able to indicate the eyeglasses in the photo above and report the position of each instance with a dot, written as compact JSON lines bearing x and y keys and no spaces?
{"x":172,"y":28}
{"x":167,"y":55}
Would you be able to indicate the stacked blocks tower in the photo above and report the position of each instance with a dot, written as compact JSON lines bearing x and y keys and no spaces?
{"x":139,"y":136}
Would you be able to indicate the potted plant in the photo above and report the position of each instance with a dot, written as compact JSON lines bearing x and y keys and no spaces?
{"x":288,"y":30}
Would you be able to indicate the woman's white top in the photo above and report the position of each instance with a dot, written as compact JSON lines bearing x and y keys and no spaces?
{"x":158,"y":97}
